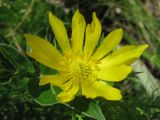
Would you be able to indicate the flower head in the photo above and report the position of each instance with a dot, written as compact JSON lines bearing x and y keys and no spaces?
{"x":82,"y":66}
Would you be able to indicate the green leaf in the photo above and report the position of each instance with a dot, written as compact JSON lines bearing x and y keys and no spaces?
{"x":47,"y":71}
{"x":43,"y":95}
{"x":7,"y":70}
{"x":158,"y":51}
{"x":5,"y":76}
{"x":20,"y":62}
{"x":87,"y":107}
{"x":80,"y":103}
{"x":3,"y":39}
{"x":13,"y":64}
{"x":95,"y":111}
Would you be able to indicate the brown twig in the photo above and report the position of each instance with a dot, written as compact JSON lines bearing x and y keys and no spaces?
{"x":20,"y":50}
{"x":29,"y":10}
{"x":12,"y":32}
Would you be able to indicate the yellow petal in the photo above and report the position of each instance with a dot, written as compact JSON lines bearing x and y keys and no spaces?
{"x":98,"y":89}
{"x":125,"y":55}
{"x":78,"y":29}
{"x":109,"y":43}
{"x":116,"y":73}
{"x":59,"y":32}
{"x":68,"y":95}
{"x":67,"y":85}
{"x":55,"y":80}
{"x":93,"y":33}
{"x":42,"y":51}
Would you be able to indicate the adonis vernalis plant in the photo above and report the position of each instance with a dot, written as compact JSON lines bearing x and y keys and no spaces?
{"x":83,"y":67}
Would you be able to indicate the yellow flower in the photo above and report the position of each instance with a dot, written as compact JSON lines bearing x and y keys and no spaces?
{"x":82,"y":66}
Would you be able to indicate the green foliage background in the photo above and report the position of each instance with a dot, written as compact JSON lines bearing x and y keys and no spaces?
{"x":19,"y":91}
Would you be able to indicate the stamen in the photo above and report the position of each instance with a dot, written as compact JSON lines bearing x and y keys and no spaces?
{"x":80,"y":66}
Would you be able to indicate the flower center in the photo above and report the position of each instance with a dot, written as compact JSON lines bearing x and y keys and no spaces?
{"x":80,"y":66}
{"x":81,"y":70}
